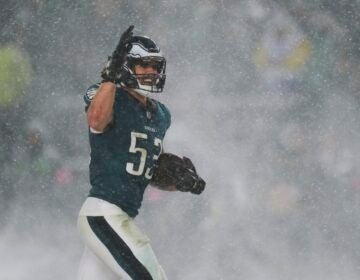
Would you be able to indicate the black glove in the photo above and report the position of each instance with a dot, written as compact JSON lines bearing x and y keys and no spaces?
{"x":192,"y":182}
{"x":111,"y":72}
{"x":171,"y":170}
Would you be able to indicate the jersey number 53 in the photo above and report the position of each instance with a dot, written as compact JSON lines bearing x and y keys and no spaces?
{"x":130,"y":167}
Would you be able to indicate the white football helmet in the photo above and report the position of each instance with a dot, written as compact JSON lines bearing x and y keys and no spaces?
{"x":144,"y":52}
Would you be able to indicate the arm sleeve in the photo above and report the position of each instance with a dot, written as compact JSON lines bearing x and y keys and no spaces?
{"x":167,"y":114}
{"x":169,"y":117}
{"x":89,"y":95}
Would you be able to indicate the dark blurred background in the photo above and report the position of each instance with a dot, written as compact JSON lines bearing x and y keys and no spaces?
{"x":265,"y":99}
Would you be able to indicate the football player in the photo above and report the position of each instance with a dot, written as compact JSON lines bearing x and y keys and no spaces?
{"x":126,"y":132}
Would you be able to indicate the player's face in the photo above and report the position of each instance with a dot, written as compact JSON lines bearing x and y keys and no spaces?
{"x":145,"y":74}
{"x":145,"y":69}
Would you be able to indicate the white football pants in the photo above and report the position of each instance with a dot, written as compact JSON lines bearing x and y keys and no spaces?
{"x":116,"y":249}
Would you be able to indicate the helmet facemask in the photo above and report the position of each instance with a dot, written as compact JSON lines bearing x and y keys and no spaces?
{"x":145,"y":56}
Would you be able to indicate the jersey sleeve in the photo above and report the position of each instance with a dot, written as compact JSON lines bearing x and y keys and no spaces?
{"x":167,"y":115}
{"x":89,"y":95}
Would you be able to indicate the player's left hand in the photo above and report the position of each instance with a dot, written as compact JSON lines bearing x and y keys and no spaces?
{"x":192,"y":181}
{"x":179,"y":172}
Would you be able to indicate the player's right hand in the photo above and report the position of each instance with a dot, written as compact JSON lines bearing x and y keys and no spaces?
{"x":111,"y":72}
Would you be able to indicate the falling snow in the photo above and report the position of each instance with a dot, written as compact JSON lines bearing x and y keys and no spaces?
{"x":265,"y":98}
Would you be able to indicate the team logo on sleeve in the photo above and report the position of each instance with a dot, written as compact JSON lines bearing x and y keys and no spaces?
{"x":91,"y":92}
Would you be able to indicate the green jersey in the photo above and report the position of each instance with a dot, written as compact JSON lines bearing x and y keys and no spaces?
{"x":123,"y":156}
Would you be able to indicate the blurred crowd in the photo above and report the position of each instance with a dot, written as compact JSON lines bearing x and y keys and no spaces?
{"x":274,"y":125}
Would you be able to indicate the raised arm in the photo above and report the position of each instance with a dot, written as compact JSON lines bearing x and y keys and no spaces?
{"x":100,"y":111}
